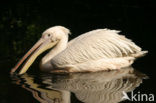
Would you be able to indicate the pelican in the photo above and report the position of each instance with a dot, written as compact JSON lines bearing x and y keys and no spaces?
{"x":96,"y":50}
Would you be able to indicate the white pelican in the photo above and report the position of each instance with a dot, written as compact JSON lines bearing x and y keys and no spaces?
{"x":97,"y":50}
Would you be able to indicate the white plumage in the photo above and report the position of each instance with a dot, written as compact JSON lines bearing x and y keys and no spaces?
{"x":97,"y":44}
{"x":100,"y":49}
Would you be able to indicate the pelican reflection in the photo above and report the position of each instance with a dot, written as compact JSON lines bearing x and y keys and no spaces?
{"x":96,"y":87}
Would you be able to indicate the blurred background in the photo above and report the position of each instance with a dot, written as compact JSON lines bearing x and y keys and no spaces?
{"x":22,"y":22}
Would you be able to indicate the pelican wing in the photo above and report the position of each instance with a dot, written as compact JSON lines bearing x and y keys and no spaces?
{"x":97,"y":44}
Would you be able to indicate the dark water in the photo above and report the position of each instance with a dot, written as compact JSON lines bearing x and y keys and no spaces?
{"x":98,"y":87}
{"x":21,"y":25}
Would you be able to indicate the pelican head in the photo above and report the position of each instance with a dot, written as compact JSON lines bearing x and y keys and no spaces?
{"x":50,"y":38}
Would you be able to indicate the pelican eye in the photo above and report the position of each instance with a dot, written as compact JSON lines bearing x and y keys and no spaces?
{"x":49,"y":35}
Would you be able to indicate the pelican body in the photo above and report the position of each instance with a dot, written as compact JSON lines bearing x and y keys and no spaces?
{"x":97,"y":50}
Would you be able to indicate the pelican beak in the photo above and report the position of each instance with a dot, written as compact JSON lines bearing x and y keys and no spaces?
{"x":41,"y":46}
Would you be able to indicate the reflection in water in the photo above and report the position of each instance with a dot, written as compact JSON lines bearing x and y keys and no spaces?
{"x":98,"y":87}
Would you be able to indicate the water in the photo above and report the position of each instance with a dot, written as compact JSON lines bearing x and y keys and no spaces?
{"x":98,"y":87}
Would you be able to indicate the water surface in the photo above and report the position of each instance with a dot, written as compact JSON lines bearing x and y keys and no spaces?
{"x":98,"y":87}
